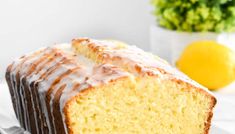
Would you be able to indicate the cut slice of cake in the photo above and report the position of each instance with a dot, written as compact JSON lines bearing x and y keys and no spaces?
{"x":97,"y":86}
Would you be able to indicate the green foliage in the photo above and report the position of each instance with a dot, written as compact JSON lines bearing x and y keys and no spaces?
{"x":196,"y":15}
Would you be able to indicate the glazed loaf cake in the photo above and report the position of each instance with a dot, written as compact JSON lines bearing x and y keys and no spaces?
{"x":97,"y":86}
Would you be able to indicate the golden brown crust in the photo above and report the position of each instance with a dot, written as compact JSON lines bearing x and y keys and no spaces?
{"x":207,"y":124}
{"x":210,"y":115}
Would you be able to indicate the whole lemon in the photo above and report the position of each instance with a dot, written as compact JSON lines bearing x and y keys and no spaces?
{"x":209,"y":63}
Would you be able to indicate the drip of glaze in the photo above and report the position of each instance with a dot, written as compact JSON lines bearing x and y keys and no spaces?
{"x":16,"y":66}
{"x":64,"y":74}
{"x":139,"y":61}
{"x":30,"y":66}
{"x":37,"y":76}
{"x":45,"y":62}
{"x":13,"y":83}
{"x":22,"y":91}
{"x":86,"y":67}
{"x":68,"y":80}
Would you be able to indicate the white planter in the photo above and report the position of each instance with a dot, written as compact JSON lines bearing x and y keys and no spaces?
{"x":169,"y":44}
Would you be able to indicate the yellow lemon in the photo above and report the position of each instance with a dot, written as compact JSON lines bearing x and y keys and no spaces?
{"x":209,"y":63}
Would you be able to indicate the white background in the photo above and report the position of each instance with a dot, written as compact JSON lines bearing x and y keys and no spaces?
{"x":26,"y":25}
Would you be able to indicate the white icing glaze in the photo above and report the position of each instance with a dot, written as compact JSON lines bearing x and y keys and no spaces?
{"x":46,"y":84}
{"x":131,"y":57}
{"x":24,"y":106}
{"x":71,"y":70}
{"x":82,"y":60}
{"x":35,"y":76}
{"x":69,"y":81}
{"x":42,"y":90}
{"x":26,"y":67}
{"x":22,"y":91}
{"x":74,"y":78}
{"x":14,"y":84}
{"x":16,"y":66}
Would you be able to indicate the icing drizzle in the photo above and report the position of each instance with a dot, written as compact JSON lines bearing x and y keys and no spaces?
{"x":57,"y":74}
{"x":133,"y":59}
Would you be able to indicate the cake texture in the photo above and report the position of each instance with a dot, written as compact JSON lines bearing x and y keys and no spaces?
{"x":105,"y":86}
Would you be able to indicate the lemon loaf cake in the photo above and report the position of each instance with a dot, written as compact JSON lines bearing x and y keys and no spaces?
{"x":104,"y":86}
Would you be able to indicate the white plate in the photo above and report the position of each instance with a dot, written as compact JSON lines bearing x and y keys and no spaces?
{"x":8,"y":119}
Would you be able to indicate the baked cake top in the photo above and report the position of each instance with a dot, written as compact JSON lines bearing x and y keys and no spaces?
{"x":136,"y":60}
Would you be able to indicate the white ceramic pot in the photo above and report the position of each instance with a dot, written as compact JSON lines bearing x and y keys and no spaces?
{"x":169,"y":44}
